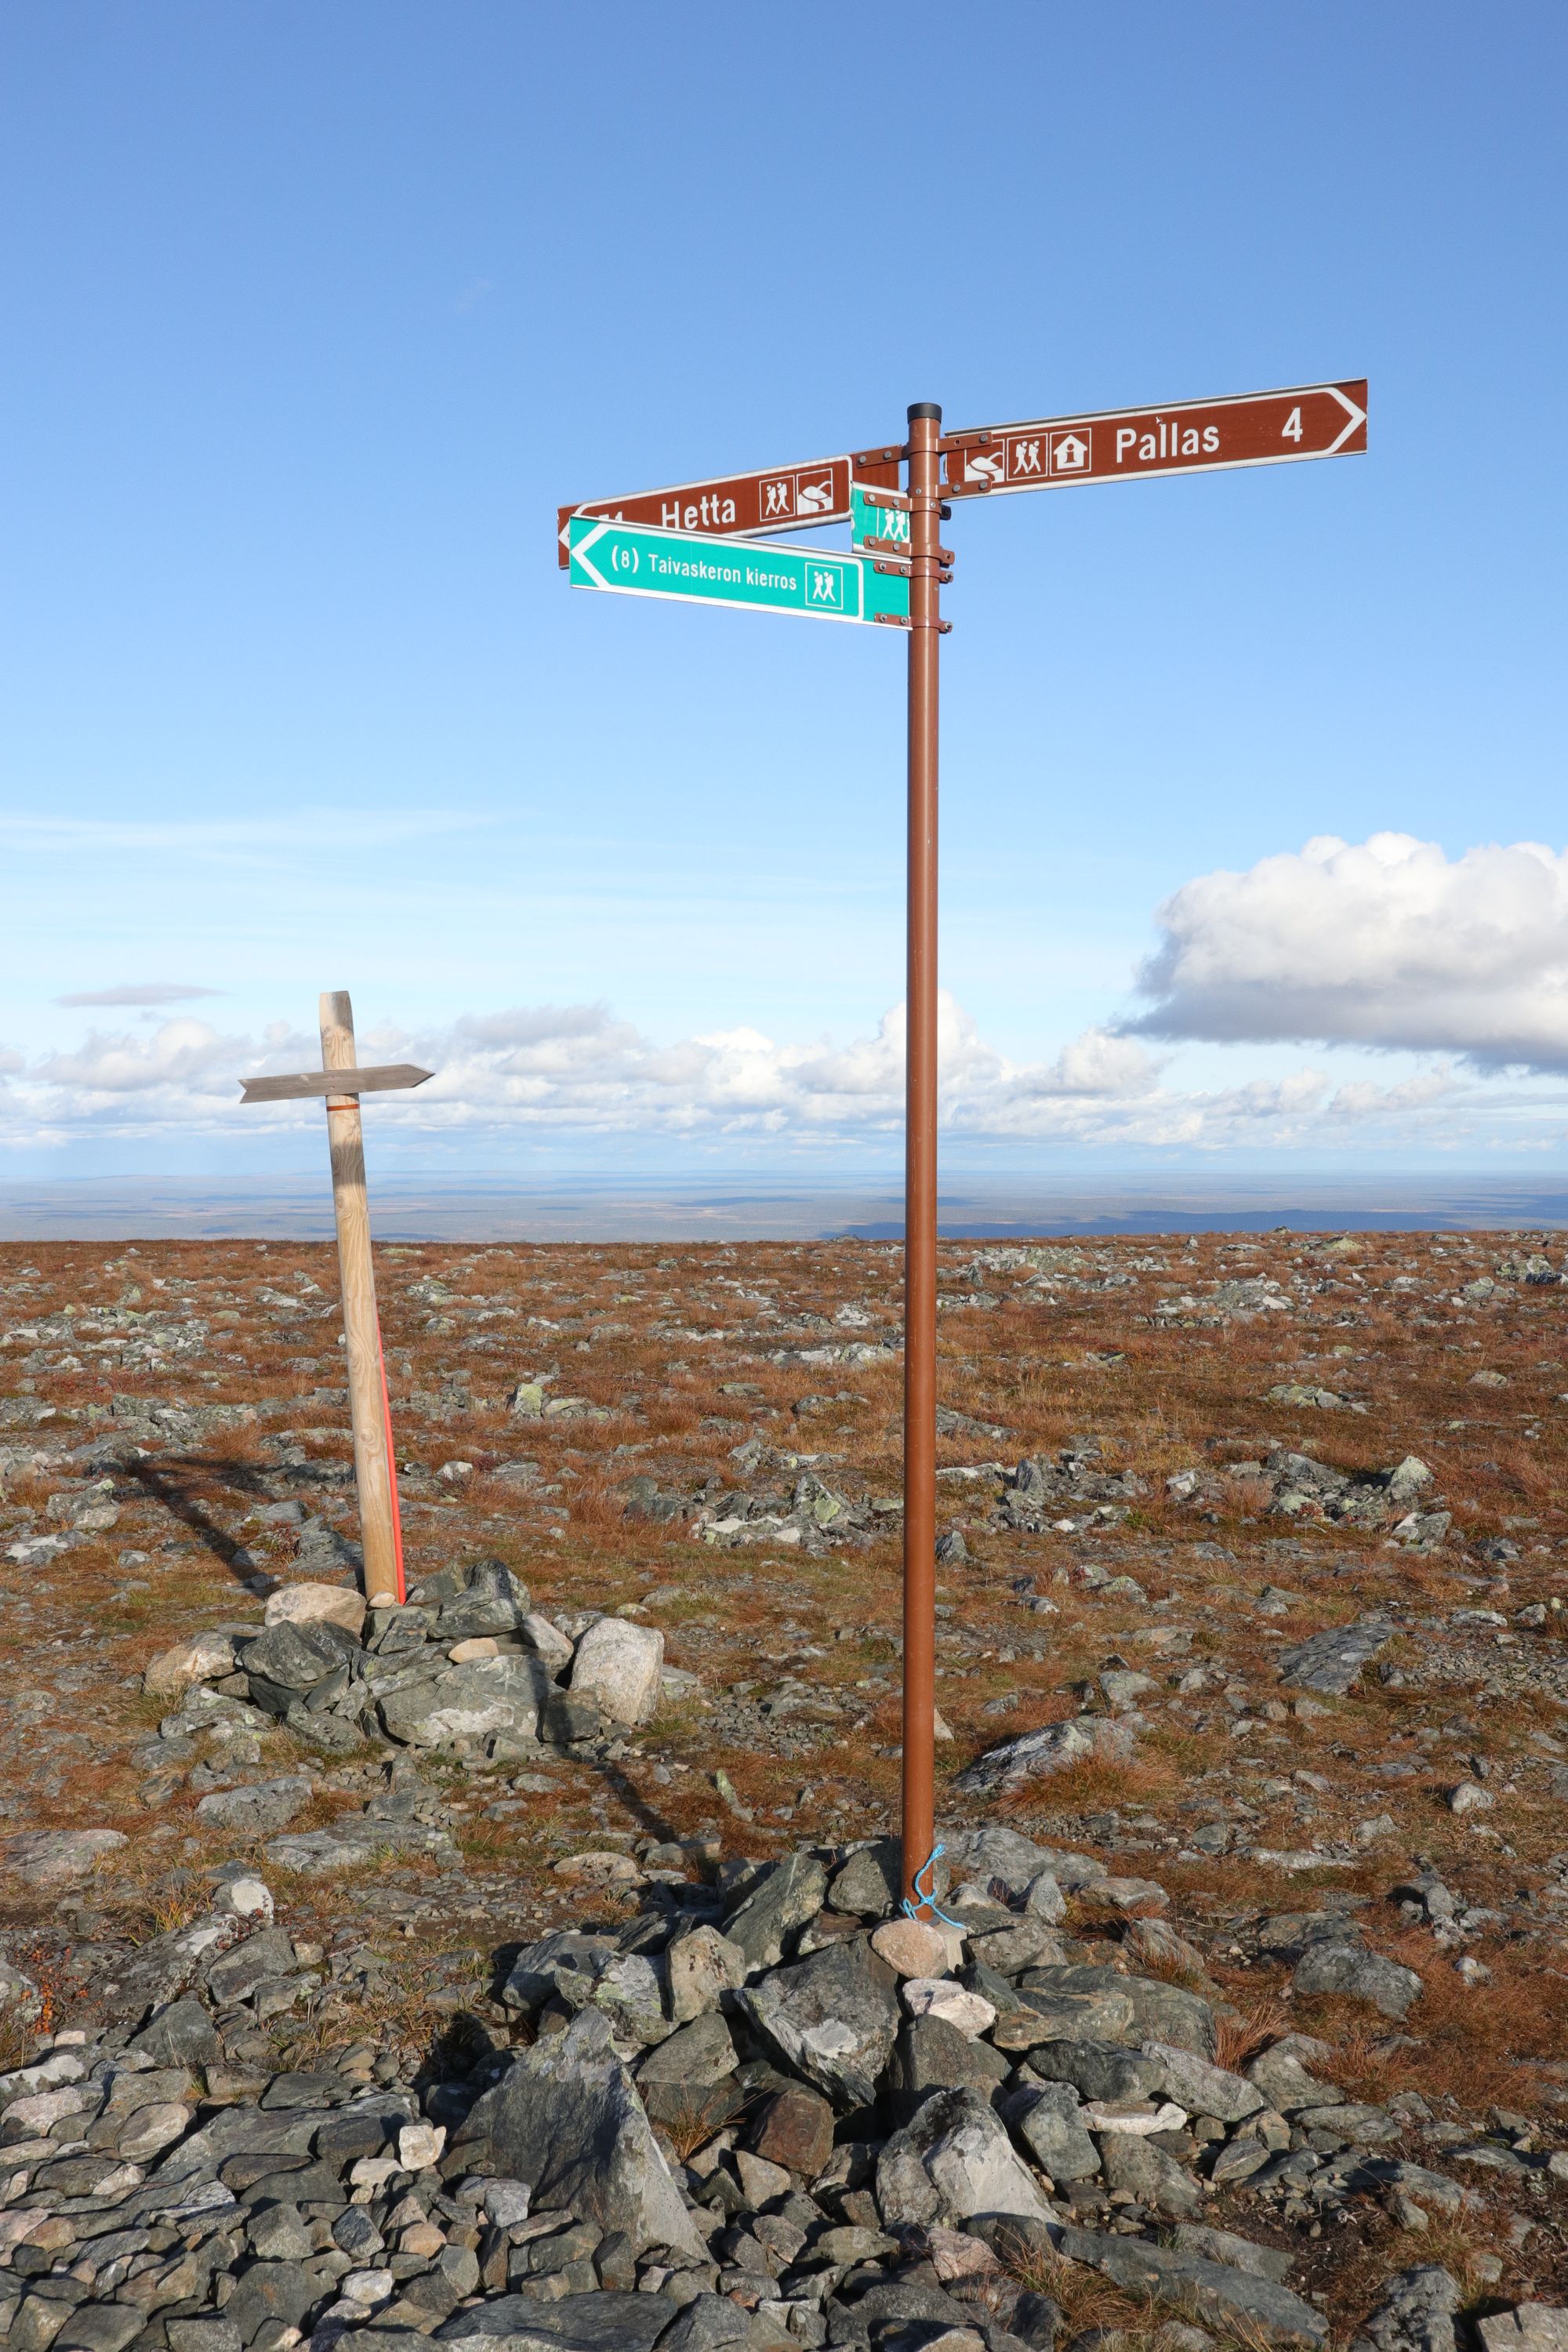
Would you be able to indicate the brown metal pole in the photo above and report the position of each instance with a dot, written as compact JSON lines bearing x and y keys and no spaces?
{"x":367,"y":1400}
{"x":919,"y":1169}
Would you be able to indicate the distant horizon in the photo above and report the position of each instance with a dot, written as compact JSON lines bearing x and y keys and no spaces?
{"x":737,"y":1205}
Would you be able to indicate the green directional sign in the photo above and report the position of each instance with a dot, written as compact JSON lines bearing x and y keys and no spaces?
{"x":635,"y":560}
{"x":879,"y":515}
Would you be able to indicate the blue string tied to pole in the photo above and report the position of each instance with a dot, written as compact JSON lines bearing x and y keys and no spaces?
{"x":927,"y":1894}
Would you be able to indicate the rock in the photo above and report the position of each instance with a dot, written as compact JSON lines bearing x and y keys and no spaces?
{"x":204,"y":1658}
{"x":1365,"y":1976}
{"x":1286,"y":2084}
{"x":698,"y":2054}
{"x":951,"y":2161}
{"x":708,"y":2322}
{"x":20,"y":1999}
{"x":1159,"y":2012}
{"x":258,"y":1808}
{"x":600,"y":2321}
{"x":1470,"y":1797}
{"x":234,"y":1975}
{"x":1047,"y":2118}
{"x":1017,"y":1861}
{"x":1217,"y":2294}
{"x":1011,"y":1950}
{"x":492,"y":1600}
{"x":546,"y":1641}
{"x":791,"y":1893}
{"x":1414,"y":2312}
{"x":1237,"y":2253}
{"x":968,"y":2012}
{"x":618,"y":1667}
{"x":699,"y":1968}
{"x":469,"y":1702}
{"x":933,"y":2055}
{"x":281,"y":2293}
{"x":796,"y":2130}
{"x":1100,"y":2070}
{"x":314,"y":1604}
{"x":833,"y":2018}
{"x":1155,"y":1943}
{"x":294,"y":1658}
{"x":1333,"y":1660}
{"x":566,"y":2119}
{"x":181,"y":2033}
{"x":914,"y":1948}
{"x":1035,"y":1755}
{"x":1533,"y":2327}
{"x":1204,"y":2089}
{"x":870,"y":1883}
{"x":248,"y":1898}
{"x":47,"y":1859}
{"x":1131,"y":2163}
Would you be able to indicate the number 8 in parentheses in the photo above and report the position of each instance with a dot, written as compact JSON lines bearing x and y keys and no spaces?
{"x":626,"y":558}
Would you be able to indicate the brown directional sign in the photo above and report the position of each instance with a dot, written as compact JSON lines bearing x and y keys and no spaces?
{"x":1188,"y":436}
{"x":746,"y":506}
{"x":378,"y":1079}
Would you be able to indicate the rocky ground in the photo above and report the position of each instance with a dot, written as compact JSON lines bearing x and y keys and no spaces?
{"x":525,"y":1964}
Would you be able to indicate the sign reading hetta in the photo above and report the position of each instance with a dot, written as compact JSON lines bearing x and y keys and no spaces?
{"x":1252,"y":428}
{"x":639,"y":562}
{"x":742,"y":506}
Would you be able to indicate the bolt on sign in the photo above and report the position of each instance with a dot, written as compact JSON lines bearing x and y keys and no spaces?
{"x":341,"y":1082}
{"x":637,"y":561}
{"x":661,"y":543}
{"x":1255,"y":428}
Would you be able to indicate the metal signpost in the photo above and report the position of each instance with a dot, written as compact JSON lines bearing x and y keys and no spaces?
{"x":895,"y":577}
{"x":342,"y":1083}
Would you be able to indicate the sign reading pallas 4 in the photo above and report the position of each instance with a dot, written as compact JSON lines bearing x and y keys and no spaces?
{"x":661,"y":543}
{"x":1122,"y":444}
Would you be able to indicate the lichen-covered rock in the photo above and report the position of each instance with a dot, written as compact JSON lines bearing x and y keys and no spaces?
{"x":1035,"y":1755}
{"x":201,"y":1658}
{"x":953,"y":2161}
{"x":619,"y":1667}
{"x":566,"y":2119}
{"x":468,"y":1703}
{"x":834,"y":2018}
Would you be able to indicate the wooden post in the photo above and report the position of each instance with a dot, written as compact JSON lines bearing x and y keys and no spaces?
{"x":361,"y":1331}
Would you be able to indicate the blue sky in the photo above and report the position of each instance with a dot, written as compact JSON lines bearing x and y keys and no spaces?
{"x":315,"y":314}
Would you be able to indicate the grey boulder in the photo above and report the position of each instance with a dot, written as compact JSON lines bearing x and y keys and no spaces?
{"x":1036,"y":1755}
{"x":470,"y":1702}
{"x":833,"y":2018}
{"x":1365,"y":1976}
{"x":1219,"y":2294}
{"x":1048,"y":2120}
{"x":1333,"y":1660}
{"x":1131,"y":2163}
{"x":1204,"y":2089}
{"x":791,"y":1893}
{"x":595,"y":2321}
{"x":953,"y":2162}
{"x":1414,"y":2313}
{"x":567,"y":2120}
{"x":259,"y":1807}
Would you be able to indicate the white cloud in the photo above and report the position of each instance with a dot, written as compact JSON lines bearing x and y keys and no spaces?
{"x":139,"y":991}
{"x":531,"y":1071}
{"x":1386,"y":944}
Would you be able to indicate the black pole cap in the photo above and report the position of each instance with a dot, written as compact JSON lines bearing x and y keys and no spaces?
{"x":925,"y":408}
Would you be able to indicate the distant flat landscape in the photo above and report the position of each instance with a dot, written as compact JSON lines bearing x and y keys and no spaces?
{"x":747,"y":1207}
